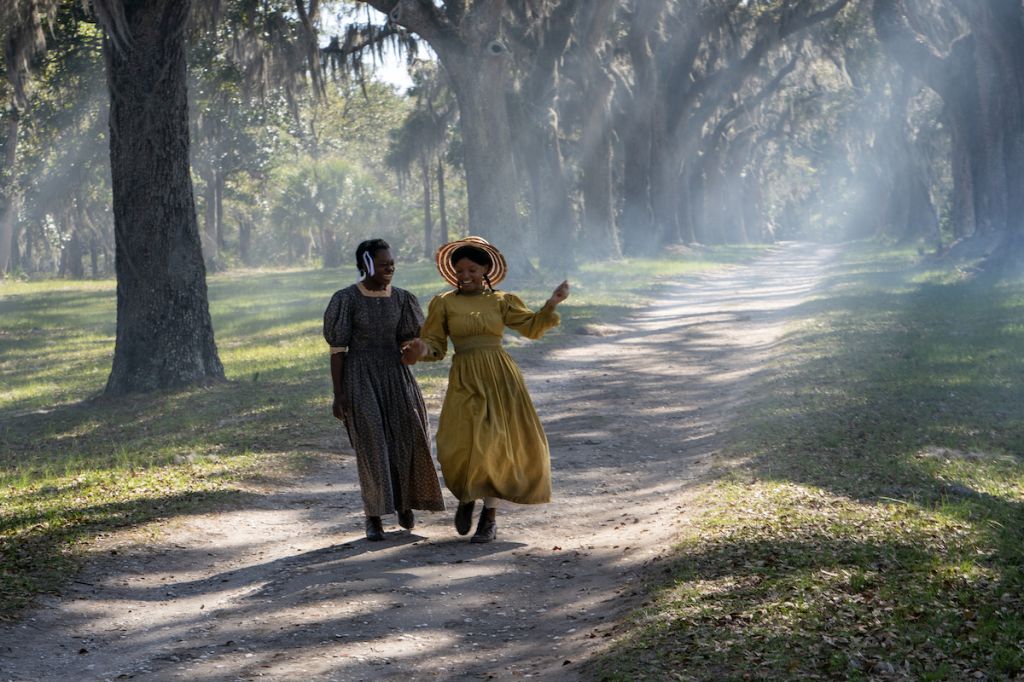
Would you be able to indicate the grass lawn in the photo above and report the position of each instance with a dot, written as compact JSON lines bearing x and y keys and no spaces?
{"x":74,"y":466}
{"x":868,"y":522}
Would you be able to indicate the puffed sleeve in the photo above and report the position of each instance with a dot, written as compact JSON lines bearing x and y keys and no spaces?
{"x":338,"y":322}
{"x":411,"y":318}
{"x":435,"y":330}
{"x":530,"y":324}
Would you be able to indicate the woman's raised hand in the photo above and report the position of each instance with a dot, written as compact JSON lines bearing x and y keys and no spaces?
{"x":560,"y":293}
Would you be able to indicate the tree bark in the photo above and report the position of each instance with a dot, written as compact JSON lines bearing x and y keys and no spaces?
{"x":479,"y":80}
{"x":245,"y":240}
{"x":637,"y":223}
{"x":557,"y":220}
{"x":218,"y":175}
{"x":210,"y":240}
{"x":164,"y":332}
{"x":94,"y":256}
{"x":686,"y":209}
{"x":555,"y":215}
{"x":9,"y":192}
{"x":330,"y":247}
{"x":599,"y":229}
{"x":72,"y":254}
{"x":978,"y":76}
{"x":442,"y":206}
{"x":600,"y":236}
{"x":428,"y":216}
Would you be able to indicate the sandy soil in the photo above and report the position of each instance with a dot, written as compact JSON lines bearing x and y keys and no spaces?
{"x":288,"y":589}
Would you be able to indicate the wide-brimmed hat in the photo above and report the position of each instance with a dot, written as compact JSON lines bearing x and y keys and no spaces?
{"x":443,"y":260}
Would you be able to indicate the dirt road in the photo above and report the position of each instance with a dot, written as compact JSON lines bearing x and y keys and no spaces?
{"x":289,"y":589}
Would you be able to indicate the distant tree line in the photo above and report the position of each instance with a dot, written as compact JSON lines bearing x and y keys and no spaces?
{"x":606,"y":127}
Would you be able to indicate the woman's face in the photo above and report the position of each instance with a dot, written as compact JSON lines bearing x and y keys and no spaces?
{"x":383,"y":269}
{"x":470,"y":275}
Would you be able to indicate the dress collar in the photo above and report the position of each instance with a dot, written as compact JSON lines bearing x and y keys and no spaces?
{"x":385,"y":293}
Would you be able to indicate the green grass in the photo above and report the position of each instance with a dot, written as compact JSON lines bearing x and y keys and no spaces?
{"x":74,"y":465}
{"x":868,"y":523}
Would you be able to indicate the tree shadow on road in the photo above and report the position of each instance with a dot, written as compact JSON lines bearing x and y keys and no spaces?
{"x":873,"y":528}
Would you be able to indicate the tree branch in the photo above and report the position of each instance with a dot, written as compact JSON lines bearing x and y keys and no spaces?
{"x":908,"y":47}
{"x":424,"y":19}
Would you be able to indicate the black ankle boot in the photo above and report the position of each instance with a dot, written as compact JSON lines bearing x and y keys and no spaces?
{"x":406,"y":519}
{"x":374,"y":529}
{"x":464,"y":517}
{"x":486,"y":526}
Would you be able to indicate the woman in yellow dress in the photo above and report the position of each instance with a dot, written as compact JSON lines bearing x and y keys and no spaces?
{"x":490,"y":442}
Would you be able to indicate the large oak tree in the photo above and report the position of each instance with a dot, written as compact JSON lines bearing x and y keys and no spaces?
{"x":164,"y":333}
{"x":467,"y":39}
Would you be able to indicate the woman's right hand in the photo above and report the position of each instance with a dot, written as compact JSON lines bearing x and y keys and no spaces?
{"x":340,"y":408}
{"x":413,"y":351}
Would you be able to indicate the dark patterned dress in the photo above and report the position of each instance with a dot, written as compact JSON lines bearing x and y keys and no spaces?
{"x":387,"y":421}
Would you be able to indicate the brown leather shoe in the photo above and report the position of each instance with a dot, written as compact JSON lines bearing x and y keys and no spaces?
{"x":464,"y":517}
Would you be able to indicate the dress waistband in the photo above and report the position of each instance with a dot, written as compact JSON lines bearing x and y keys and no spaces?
{"x":481,"y":342}
{"x":391,"y":349}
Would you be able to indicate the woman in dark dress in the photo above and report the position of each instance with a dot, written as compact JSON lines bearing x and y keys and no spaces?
{"x":376,"y":396}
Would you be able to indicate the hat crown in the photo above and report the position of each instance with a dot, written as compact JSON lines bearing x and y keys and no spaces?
{"x":442,"y":259}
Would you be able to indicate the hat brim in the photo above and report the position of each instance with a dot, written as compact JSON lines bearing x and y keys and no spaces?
{"x":443,"y":260}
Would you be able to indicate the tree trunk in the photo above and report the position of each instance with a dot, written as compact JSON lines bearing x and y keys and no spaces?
{"x":442,"y":206}
{"x":210,"y":241}
{"x":978,"y":76}
{"x":467,"y":40}
{"x":245,"y":240}
{"x":72,"y":256}
{"x":24,"y":261}
{"x":218,"y":197}
{"x":9,"y":192}
{"x":636,"y":133}
{"x":556,"y":219}
{"x":714,"y":218}
{"x":685,"y":217}
{"x":330,"y":247}
{"x":539,"y":103}
{"x":164,"y":333}
{"x":599,"y":230}
{"x":428,"y":216}
{"x":909,"y":210}
{"x":600,"y":237}
{"x":665,"y":178}
{"x":963,"y":208}
{"x":94,"y":256}
{"x":478,"y":77}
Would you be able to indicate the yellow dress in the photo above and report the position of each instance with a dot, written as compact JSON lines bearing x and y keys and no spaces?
{"x":490,"y":442}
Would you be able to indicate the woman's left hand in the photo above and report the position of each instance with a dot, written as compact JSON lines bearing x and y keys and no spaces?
{"x":560,"y":293}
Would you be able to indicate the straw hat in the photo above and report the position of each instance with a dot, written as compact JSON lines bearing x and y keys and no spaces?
{"x":443,"y":260}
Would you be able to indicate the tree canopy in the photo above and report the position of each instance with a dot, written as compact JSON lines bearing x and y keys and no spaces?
{"x":560,"y":129}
